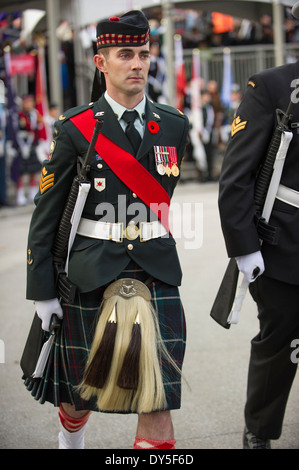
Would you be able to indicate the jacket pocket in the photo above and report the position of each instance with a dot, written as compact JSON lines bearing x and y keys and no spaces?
{"x":81,"y":243}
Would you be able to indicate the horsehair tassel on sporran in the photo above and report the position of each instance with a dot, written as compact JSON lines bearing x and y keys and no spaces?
{"x":134,"y":382}
{"x":101,"y":353}
{"x":129,"y":375}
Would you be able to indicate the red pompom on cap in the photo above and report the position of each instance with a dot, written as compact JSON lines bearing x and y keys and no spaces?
{"x":114,"y":18}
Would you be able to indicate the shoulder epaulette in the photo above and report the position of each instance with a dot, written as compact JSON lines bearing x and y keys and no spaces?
{"x":169,"y":109}
{"x":74,"y":112}
{"x":251,"y":83}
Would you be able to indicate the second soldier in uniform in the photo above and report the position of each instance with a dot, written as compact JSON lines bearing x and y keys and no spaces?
{"x":275,"y":290}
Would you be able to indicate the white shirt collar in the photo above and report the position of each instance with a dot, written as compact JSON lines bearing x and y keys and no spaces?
{"x":118,"y":109}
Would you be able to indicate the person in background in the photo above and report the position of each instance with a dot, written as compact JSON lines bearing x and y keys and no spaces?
{"x":207,"y":134}
{"x":156,"y":73}
{"x":53,"y":116}
{"x":29,"y":121}
{"x":213,"y":88}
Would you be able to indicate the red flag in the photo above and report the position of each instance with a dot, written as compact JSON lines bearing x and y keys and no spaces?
{"x":196,"y":116}
{"x":22,"y":64}
{"x":181,"y":78}
{"x":41,"y":102}
{"x":222,"y":23}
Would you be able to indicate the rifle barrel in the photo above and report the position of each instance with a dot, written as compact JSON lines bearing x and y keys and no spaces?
{"x":65,"y":288}
{"x":97,"y":130}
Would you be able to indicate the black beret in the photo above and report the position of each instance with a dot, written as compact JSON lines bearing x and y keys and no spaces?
{"x":131,"y":29}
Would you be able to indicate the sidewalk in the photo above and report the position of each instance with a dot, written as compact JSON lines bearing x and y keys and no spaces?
{"x":215,"y":364}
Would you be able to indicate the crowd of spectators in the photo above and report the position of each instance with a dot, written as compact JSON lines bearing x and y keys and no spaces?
{"x":211,"y":29}
{"x":198,"y":29}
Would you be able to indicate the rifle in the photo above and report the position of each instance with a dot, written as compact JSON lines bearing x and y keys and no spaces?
{"x":36,"y":351}
{"x":69,"y":222}
{"x":227,"y":304}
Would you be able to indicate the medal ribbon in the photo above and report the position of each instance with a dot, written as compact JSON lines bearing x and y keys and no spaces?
{"x":165,"y":153}
{"x":172,"y":155}
{"x":127,"y":168}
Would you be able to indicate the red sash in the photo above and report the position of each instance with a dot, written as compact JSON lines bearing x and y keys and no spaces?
{"x":127,"y":168}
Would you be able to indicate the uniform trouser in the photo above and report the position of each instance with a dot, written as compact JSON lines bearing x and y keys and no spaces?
{"x":271,"y":370}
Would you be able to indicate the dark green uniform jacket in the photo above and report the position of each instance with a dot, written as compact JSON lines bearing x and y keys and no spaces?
{"x":95,"y":262}
{"x":251,"y":134}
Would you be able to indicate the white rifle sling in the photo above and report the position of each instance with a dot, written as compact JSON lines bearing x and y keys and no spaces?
{"x":286,"y":138}
{"x":76,"y":217}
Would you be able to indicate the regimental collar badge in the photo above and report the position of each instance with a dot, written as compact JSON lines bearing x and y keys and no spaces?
{"x":237,"y":126}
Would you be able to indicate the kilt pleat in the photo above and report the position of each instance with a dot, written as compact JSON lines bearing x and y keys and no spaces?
{"x":72,"y":344}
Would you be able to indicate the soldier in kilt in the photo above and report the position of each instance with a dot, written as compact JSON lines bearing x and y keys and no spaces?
{"x":106,"y":357}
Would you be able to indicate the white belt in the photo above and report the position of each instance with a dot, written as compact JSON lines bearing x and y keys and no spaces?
{"x":116,"y":232}
{"x":288,"y":195}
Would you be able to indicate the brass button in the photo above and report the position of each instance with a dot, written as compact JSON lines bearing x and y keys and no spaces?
{"x":134,"y":195}
{"x":130,"y":247}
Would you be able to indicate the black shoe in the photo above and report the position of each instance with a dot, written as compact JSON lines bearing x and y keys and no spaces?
{"x":250,"y":441}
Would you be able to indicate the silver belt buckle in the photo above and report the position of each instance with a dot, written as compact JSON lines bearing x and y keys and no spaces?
{"x":132,"y":231}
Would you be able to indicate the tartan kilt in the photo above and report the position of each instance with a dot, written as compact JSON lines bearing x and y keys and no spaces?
{"x":66,"y":363}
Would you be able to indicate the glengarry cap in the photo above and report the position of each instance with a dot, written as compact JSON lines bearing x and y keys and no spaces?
{"x":130,"y":29}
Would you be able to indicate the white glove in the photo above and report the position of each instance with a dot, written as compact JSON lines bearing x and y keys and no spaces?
{"x":251,"y":265}
{"x":45,"y":310}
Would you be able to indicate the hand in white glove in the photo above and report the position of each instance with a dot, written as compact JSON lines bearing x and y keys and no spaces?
{"x":45,"y":310}
{"x":251,"y":265}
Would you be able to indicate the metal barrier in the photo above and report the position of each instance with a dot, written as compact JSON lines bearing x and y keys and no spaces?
{"x":246,"y":60}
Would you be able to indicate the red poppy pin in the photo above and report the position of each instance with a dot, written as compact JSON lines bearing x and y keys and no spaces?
{"x":153,"y":127}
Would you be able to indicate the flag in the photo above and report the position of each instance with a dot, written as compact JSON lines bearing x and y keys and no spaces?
{"x":196,"y":117}
{"x":30,"y":19}
{"x":222,"y":23}
{"x":13,"y":147}
{"x":227,"y":82}
{"x":196,"y":90}
{"x":41,"y":102}
{"x":2,"y":143}
{"x":181,"y":79}
{"x":22,"y":64}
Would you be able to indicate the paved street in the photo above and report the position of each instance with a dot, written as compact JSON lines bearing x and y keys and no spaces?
{"x":216,"y":359}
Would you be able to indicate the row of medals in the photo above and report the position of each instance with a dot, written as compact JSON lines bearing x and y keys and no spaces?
{"x":163,"y":168}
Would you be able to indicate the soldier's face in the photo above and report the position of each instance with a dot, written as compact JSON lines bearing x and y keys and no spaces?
{"x":125,"y":68}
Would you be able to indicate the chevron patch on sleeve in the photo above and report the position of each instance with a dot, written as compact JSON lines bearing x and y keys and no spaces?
{"x":46,"y":181}
{"x":237,"y":126}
